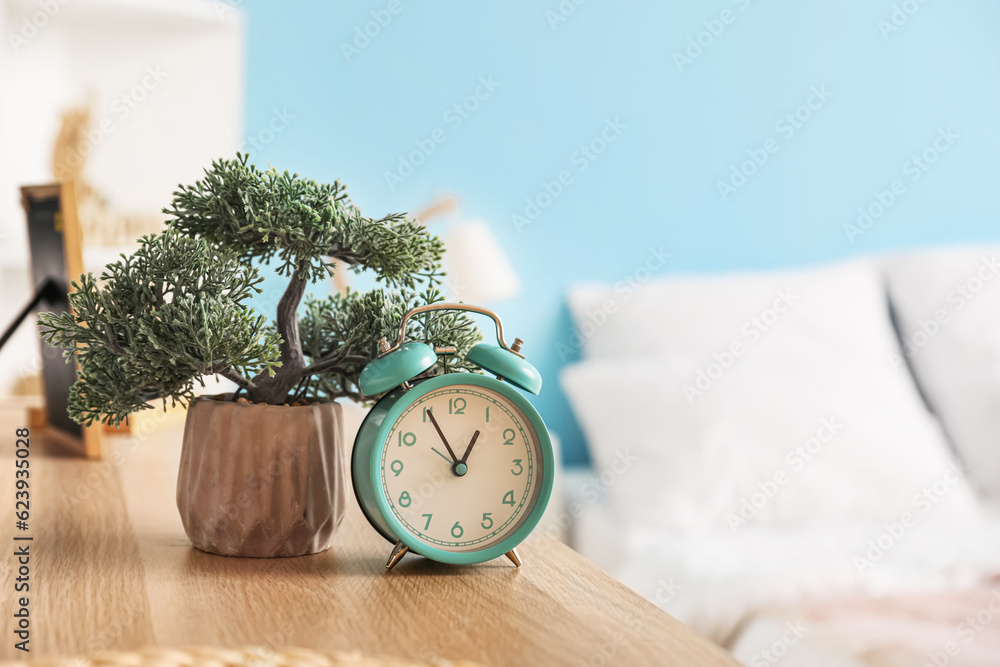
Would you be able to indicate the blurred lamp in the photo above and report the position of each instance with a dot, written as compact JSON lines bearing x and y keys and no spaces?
{"x":478,"y":268}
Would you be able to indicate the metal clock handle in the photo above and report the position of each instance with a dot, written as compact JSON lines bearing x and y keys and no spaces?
{"x":515,"y":348}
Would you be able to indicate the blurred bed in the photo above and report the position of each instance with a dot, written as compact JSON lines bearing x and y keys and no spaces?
{"x":802,"y":465}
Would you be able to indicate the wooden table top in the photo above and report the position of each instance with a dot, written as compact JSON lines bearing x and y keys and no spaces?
{"x":111,"y":569}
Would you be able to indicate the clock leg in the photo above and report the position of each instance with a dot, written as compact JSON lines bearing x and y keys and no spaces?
{"x":514,"y":558}
{"x":398,"y":552}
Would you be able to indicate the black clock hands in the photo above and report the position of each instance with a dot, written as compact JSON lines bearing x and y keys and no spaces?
{"x":458,"y":466}
{"x":443,"y":439}
{"x":468,"y":450}
{"x":461,"y":468}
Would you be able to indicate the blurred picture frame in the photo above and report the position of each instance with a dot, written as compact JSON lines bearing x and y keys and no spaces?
{"x":56,"y":249}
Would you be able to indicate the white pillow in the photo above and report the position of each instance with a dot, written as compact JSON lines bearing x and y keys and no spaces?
{"x":699,"y":427}
{"x":947,"y":307}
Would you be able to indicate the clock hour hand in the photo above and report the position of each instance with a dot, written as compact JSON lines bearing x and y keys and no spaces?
{"x":468,"y":450}
{"x":454,"y":458}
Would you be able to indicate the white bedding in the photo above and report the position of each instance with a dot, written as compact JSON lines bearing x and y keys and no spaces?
{"x":835,"y":529}
{"x":725,"y":579}
{"x":953,"y":629}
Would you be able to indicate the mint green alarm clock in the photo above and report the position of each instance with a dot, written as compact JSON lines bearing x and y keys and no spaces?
{"x":457,"y":468}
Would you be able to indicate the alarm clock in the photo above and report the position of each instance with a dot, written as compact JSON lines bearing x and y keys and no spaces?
{"x":457,"y":467}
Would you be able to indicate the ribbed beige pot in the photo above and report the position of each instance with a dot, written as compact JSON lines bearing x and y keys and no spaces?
{"x":262,"y":481}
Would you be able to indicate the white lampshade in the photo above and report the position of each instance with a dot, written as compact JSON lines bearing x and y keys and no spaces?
{"x":478,"y":268}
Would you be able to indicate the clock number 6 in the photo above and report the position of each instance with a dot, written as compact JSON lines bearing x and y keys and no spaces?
{"x":457,"y":530}
{"x":408,"y":439}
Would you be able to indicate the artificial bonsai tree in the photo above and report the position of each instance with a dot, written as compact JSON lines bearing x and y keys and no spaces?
{"x":178,"y":308}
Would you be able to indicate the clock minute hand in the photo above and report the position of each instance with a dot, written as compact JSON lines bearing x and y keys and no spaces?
{"x":443,"y":439}
{"x":468,"y":450}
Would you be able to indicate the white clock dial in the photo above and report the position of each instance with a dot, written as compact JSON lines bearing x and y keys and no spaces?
{"x":457,"y":505}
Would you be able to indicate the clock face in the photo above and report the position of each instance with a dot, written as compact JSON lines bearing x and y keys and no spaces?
{"x":461,"y":468}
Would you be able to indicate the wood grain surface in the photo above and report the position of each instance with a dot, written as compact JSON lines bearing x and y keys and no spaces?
{"x":113,"y":570}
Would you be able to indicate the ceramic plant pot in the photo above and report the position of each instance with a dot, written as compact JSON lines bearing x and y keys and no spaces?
{"x":262,"y":481}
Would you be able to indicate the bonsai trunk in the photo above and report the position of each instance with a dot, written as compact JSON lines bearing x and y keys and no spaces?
{"x":274,"y":390}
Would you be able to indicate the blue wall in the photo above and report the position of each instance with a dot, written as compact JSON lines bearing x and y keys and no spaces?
{"x":888,"y":83}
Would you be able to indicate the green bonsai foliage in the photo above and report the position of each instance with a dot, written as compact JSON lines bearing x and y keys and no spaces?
{"x":177,"y":309}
